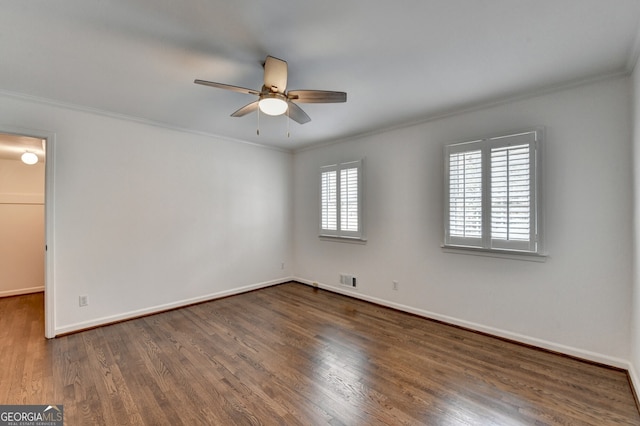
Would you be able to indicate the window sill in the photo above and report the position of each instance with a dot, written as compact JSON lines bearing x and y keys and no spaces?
{"x":339,"y":239}
{"x":502,"y":254}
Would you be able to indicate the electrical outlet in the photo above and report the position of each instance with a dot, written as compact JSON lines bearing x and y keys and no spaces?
{"x":83,"y":301}
{"x":282,"y":265}
{"x":395,"y":285}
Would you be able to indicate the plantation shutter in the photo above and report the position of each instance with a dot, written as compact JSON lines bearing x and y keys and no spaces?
{"x":465,"y":189}
{"x":512,"y":196}
{"x":349,"y":199}
{"x":464,"y":225}
{"x":341,"y":200}
{"x":491,"y":193}
{"x":329,"y":200}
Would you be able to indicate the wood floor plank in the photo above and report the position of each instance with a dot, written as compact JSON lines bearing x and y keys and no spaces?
{"x":291,"y":354}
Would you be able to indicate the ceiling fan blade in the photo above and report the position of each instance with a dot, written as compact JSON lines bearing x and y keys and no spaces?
{"x":275,"y":74}
{"x":316,"y":96}
{"x":228,"y":87}
{"x":297,"y":114}
{"x":246,"y":109}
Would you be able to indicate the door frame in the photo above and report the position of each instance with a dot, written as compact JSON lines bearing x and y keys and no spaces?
{"x":49,"y":221}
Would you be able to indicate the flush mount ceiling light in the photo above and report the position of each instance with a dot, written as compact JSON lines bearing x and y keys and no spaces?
{"x":29,"y":158}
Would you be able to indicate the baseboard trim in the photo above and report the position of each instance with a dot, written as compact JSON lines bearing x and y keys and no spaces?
{"x":634,"y":382}
{"x":125,"y":316}
{"x":581,"y":354}
{"x":503,"y":334}
{"x":21,"y":291}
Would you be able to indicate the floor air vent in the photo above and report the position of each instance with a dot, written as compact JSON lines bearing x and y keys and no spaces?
{"x":348,"y":280}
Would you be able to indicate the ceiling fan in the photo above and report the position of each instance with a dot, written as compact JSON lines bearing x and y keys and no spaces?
{"x":273,"y":98}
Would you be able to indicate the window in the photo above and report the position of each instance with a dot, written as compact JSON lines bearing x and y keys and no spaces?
{"x":341,"y":200}
{"x":492,"y":196}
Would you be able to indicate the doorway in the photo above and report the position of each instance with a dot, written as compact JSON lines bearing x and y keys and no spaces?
{"x":26,"y":220}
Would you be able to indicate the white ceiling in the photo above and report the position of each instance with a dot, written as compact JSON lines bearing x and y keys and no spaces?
{"x":399,"y":61}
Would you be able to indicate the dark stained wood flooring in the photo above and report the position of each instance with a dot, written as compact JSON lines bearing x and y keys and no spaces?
{"x":291,"y":354}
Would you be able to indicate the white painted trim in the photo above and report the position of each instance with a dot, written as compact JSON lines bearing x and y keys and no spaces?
{"x":49,"y":219}
{"x":634,"y":53}
{"x":50,"y":229}
{"x":437,"y":115}
{"x":633,"y":378}
{"x":118,"y":116}
{"x":540,"y":343}
{"x":165,"y":307}
{"x":21,"y":291}
{"x":502,"y":254}
{"x":465,"y":109}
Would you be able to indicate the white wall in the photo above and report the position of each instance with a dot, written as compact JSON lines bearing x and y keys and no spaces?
{"x":148,"y":218}
{"x":635,"y":300}
{"x":21,"y":227}
{"x":577,"y":302}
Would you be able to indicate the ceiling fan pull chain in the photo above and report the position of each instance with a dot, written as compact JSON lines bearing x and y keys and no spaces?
{"x":258,"y":130}
{"x":288,"y":123}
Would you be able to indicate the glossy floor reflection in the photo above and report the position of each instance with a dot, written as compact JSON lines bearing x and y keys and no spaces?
{"x":290,"y":354}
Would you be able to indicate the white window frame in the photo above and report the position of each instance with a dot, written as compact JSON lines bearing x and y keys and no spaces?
{"x":485,"y":242}
{"x":337,"y":210}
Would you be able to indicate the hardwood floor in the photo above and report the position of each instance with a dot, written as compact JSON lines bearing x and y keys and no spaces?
{"x":290,"y":354}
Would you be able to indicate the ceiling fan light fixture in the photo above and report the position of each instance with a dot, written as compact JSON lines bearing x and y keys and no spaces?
{"x":29,"y":158}
{"x":274,"y":99}
{"x":273,"y":105}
